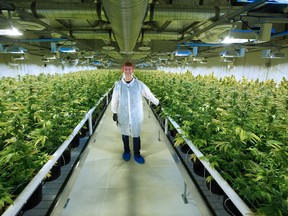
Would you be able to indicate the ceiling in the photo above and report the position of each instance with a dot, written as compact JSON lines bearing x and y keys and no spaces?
{"x":147,"y":32}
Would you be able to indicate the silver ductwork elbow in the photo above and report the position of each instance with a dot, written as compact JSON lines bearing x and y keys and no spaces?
{"x":126,"y":18}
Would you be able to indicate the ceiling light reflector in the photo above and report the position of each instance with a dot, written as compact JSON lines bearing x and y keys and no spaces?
{"x":228,"y":40}
{"x":10,"y":32}
{"x":183,"y":53}
{"x":67,"y":49}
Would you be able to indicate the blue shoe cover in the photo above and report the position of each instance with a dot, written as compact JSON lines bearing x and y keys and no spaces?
{"x":139,"y":159}
{"x":126,"y":156}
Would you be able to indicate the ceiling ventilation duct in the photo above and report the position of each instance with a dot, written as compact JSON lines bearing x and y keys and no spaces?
{"x":99,"y":34}
{"x":182,"y":12}
{"x":149,"y":35}
{"x":77,"y":34}
{"x":67,"y":10}
{"x":126,"y":18}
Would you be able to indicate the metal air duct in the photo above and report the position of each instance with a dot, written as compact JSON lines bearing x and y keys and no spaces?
{"x":67,"y":10}
{"x":182,"y":12}
{"x":78,"y":34}
{"x":126,"y":18}
{"x":153,"y":35}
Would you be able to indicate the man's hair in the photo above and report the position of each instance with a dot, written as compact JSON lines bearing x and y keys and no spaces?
{"x":128,"y":64}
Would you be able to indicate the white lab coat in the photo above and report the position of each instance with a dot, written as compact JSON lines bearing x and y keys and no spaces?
{"x":127,"y":103}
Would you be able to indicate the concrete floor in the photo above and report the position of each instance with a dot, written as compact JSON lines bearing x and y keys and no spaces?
{"x":104,"y":185}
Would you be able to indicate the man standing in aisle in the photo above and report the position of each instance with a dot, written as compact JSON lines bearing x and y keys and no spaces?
{"x":127,"y":110}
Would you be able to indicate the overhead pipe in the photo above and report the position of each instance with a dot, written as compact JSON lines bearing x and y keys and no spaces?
{"x":32,"y":18}
{"x":154,"y":35}
{"x":99,"y":34}
{"x":126,"y":18}
{"x":88,"y":34}
{"x":279,"y":34}
{"x":38,"y":40}
{"x":68,"y":10}
{"x":87,"y":10}
{"x":182,"y":12}
{"x":225,"y":19}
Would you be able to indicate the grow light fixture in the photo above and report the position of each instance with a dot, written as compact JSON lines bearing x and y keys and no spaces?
{"x":7,"y":27}
{"x":239,"y":36}
{"x":18,"y":58}
{"x":10,"y":32}
{"x":229,"y":40}
{"x":144,"y":48}
{"x":277,"y":55}
{"x":198,"y":59}
{"x":15,"y":50}
{"x":88,"y":56}
{"x":109,"y":47}
{"x":97,"y":63}
{"x":228,"y":60}
{"x":182,"y":53}
{"x":233,"y":53}
{"x":49,"y":57}
{"x":268,"y":1}
{"x":269,"y":54}
{"x":204,"y":61}
{"x":45,"y":60}
{"x":67,"y":49}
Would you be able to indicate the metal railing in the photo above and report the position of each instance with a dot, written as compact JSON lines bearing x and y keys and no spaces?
{"x":234,"y":197}
{"x":24,"y":196}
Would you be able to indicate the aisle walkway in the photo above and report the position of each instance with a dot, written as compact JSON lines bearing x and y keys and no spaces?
{"x":105,"y":185}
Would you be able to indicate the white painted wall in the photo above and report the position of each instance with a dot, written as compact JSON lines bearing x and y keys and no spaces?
{"x":34,"y":67}
{"x":251,"y":66}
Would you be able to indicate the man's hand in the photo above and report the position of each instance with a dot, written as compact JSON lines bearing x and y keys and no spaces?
{"x":115,"y":117}
{"x":153,"y":106}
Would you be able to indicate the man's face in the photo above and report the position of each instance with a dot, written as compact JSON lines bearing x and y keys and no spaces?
{"x":128,"y":70}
